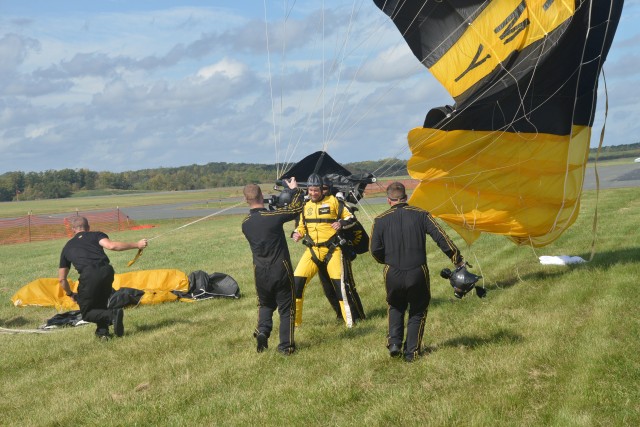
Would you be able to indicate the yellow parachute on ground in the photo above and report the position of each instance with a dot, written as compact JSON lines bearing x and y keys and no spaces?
{"x":509,"y":157}
{"x":158,"y":287}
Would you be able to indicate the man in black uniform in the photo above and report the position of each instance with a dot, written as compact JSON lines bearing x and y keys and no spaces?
{"x":398,"y":239}
{"x":85,"y":251}
{"x":272,"y":264}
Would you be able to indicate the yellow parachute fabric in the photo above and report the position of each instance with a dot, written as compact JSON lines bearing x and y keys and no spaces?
{"x":500,"y":183}
{"x":509,"y":157}
{"x":156,"y":284}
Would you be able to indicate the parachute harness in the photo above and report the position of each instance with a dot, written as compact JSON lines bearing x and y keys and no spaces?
{"x":333,"y":242}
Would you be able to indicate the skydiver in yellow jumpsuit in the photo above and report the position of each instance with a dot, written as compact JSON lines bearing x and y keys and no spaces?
{"x":318,"y":229}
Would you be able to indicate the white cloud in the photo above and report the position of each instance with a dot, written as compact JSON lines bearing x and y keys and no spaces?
{"x":154,"y":86}
{"x":228,"y":68}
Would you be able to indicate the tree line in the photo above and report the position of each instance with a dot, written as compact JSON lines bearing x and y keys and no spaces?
{"x":53,"y":184}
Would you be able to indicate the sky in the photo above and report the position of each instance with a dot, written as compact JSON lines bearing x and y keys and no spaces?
{"x":120,"y":85}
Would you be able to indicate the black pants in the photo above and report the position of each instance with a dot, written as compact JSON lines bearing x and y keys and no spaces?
{"x":407,"y":289}
{"x":333,"y":291}
{"x":330,"y":291}
{"x":275,"y":289}
{"x":94,"y":291}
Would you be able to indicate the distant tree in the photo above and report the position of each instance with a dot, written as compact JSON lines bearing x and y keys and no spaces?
{"x":7,"y":190}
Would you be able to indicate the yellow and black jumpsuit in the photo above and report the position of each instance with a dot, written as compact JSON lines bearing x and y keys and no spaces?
{"x":324,"y":250}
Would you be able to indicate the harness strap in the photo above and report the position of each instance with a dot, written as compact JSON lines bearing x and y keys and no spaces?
{"x":332,"y":243}
{"x":321,"y":220}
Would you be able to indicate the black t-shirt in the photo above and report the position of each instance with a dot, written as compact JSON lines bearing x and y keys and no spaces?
{"x":84,"y":249}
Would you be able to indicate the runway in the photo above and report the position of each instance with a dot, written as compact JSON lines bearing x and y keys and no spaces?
{"x":611,"y":176}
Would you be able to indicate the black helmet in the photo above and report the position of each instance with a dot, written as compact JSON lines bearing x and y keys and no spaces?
{"x":326,"y":182}
{"x":285,"y":197}
{"x":462,"y":281}
{"x":314,"y":180}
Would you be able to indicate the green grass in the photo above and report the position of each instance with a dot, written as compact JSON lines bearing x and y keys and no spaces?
{"x":549,"y":345}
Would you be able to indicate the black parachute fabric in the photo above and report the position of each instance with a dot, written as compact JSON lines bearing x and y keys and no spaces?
{"x":203,"y":285}
{"x":68,"y":318}
{"x":321,"y":163}
{"x":125,"y":297}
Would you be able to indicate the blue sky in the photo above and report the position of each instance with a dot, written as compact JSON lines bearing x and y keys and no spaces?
{"x":127,"y":85}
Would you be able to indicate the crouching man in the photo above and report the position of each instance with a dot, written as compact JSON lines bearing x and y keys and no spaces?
{"x":85,"y":251}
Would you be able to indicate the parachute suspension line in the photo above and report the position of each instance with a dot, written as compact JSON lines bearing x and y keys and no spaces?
{"x":369,"y":216}
{"x":595,"y":166}
{"x":339,"y":61}
{"x":320,"y":97}
{"x":334,"y":128}
{"x":324,"y":140}
{"x":477,"y":264}
{"x":331,"y":129}
{"x":291,"y":148}
{"x":341,"y":129}
{"x":273,"y":113}
{"x":287,"y":12}
{"x":575,"y":100}
{"x":197,"y":220}
{"x":594,"y":229}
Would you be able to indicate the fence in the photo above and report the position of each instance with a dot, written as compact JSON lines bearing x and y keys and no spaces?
{"x":35,"y":228}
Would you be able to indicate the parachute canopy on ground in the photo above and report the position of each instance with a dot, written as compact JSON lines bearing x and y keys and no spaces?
{"x":510,"y":156}
{"x":321,"y":163}
{"x":163,"y":285}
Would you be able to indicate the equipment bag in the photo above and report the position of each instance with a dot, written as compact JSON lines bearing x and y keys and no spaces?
{"x":203,"y":285}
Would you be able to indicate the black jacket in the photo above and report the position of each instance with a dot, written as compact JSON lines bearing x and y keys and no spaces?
{"x":263,"y":229}
{"x":398,"y":237}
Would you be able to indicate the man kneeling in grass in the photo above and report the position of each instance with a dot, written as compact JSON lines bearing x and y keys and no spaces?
{"x":85,"y":251}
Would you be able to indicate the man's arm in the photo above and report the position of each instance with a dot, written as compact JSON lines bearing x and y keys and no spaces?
{"x":300,"y":230}
{"x":443,"y":240}
{"x":376,"y":244}
{"x":122,"y":246}
{"x":345,"y":217}
{"x":64,"y":283}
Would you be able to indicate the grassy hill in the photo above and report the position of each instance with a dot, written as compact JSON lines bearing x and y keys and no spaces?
{"x":550,"y":345}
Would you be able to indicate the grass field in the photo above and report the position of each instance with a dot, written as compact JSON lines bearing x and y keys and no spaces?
{"x":42,"y":207}
{"x":549,"y":345}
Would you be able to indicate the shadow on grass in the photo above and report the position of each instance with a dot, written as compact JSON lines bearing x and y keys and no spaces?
{"x":160,"y":325}
{"x":471,"y":342}
{"x":613,"y":258}
{"x":359,"y":330}
{"x":15,"y":322}
{"x":606,"y":260}
{"x":381,"y":312}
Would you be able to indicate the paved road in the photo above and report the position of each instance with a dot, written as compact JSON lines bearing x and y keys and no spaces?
{"x":615,"y":176}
